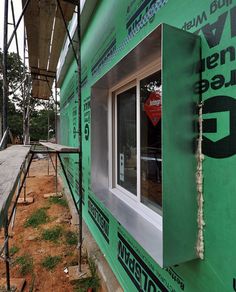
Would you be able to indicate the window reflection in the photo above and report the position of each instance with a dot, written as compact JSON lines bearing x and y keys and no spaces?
{"x":126,"y":140}
{"x":150,"y":126}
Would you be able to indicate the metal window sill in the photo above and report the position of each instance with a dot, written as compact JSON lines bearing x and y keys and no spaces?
{"x":143,"y":231}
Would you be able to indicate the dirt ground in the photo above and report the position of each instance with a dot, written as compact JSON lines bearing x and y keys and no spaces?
{"x":29,"y":240}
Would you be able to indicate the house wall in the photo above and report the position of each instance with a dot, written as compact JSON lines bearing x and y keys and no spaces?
{"x":109,"y":36}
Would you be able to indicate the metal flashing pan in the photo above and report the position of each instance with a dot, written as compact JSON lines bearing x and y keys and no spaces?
{"x":178,"y":52}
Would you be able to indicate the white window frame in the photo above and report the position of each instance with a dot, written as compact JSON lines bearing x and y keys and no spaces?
{"x":134,"y":201}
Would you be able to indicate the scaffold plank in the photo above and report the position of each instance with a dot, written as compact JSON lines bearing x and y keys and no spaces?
{"x":45,"y":36}
{"x":60,"y":148}
{"x":12,"y":160}
{"x":59,"y":30}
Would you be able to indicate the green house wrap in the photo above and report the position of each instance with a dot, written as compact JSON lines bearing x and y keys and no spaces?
{"x":162,"y":215}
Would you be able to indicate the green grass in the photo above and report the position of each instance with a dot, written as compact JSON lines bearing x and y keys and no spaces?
{"x":50,"y":262}
{"x":52,"y":234}
{"x":90,"y":282}
{"x":58,"y":201}
{"x":25,"y":263}
{"x":13,"y":250}
{"x":71,"y":238}
{"x":37,"y":218}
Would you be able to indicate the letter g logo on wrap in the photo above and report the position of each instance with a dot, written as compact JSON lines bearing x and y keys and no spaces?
{"x":219,"y":127}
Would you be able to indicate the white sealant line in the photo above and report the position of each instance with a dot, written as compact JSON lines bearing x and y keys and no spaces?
{"x":199,"y":181}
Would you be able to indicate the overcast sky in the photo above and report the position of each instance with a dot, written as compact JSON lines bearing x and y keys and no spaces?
{"x":17,"y":10}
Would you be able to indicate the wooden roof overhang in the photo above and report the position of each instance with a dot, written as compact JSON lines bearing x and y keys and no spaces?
{"x":46,"y":32}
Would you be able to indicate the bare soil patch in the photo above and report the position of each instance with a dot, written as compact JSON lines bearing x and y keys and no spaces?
{"x":30,"y":246}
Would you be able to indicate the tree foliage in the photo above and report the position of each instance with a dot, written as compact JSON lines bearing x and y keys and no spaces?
{"x":17,"y":77}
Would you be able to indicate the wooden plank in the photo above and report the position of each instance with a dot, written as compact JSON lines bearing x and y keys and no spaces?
{"x":35,"y":88}
{"x":39,"y":21}
{"x":31,"y":19}
{"x":45,"y":87}
{"x":11,"y":163}
{"x":60,"y":148}
{"x":59,"y":33}
{"x":57,"y":43}
{"x":47,"y":14}
{"x":52,"y":195}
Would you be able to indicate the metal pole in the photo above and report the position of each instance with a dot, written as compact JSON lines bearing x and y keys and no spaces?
{"x":14,"y":23}
{"x":56,"y":174}
{"x":48,"y":133}
{"x":52,"y":162}
{"x":14,"y":213}
{"x":67,"y":31}
{"x":24,"y":187}
{"x":56,"y":109}
{"x":5,"y":82}
{"x":48,"y":162}
{"x":56,"y":182}
{"x":23,"y":95}
{"x":22,"y":183}
{"x":22,"y":85}
{"x":18,"y":23}
{"x":68,"y":182}
{"x":7,"y":252}
{"x":80,"y":139}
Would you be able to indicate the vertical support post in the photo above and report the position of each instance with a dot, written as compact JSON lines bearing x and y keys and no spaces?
{"x":56,"y":108}
{"x":23,"y":97}
{"x":80,"y":139}
{"x":7,"y":252}
{"x":48,"y":132}
{"x":56,"y":172}
{"x":48,"y":161}
{"x":25,"y":185}
{"x":28,"y":169}
{"x":14,"y":23}
{"x":56,"y":182}
{"x":14,"y":212}
{"x":5,"y":81}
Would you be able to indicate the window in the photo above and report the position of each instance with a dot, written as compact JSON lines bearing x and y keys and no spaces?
{"x":143,"y":161}
{"x":136,"y":147}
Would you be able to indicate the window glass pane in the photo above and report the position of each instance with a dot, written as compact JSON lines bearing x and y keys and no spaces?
{"x":126,"y":140}
{"x":150,"y":127}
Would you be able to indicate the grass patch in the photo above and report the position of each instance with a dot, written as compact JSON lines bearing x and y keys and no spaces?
{"x":50,"y":262}
{"x":58,"y":201}
{"x":37,"y":218}
{"x":52,"y":234}
{"x":71,"y":238}
{"x":25,"y":264}
{"x":90,"y":282}
{"x":13,"y":250}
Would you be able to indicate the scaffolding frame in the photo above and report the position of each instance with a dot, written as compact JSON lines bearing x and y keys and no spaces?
{"x":49,"y":74}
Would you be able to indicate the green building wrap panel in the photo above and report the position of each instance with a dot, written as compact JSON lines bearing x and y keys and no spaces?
{"x":114,"y":29}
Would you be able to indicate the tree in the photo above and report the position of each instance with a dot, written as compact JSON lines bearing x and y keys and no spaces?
{"x":38,"y":123}
{"x":20,"y":103}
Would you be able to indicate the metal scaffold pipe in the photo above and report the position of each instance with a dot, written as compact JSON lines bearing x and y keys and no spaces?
{"x":80,"y":137}
{"x":5,"y":82}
